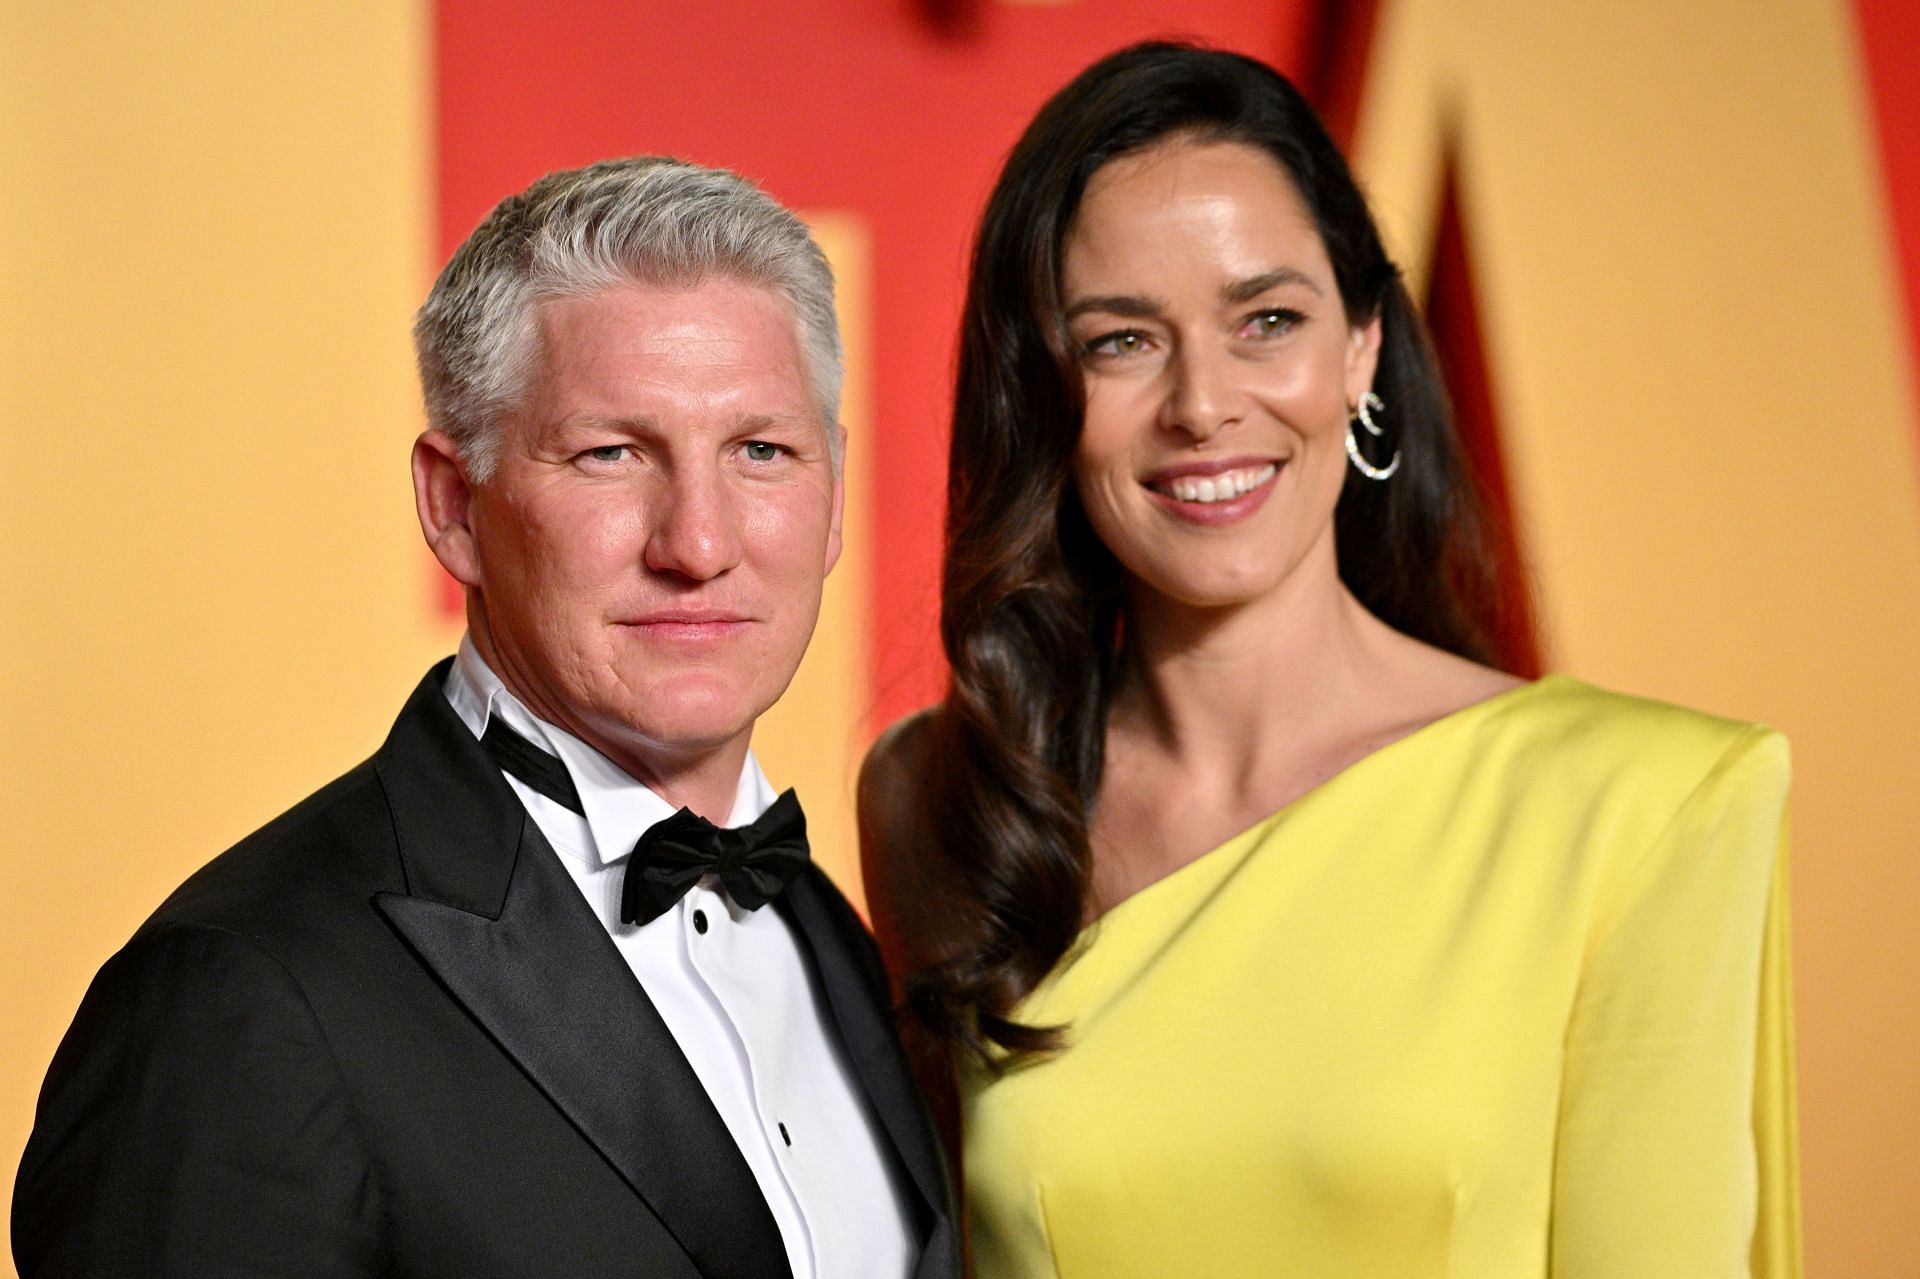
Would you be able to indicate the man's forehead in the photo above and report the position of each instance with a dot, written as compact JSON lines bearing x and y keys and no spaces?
{"x":745,"y":327}
{"x":641,"y":297}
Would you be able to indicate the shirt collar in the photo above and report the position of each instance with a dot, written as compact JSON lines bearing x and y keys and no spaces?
{"x":619,"y":810}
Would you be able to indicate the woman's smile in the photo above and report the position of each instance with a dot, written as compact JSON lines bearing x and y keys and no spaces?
{"x":1218,"y":364}
{"x":1214,"y":493}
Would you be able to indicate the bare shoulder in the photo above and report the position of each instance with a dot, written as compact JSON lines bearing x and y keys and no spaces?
{"x":1458,"y":681}
{"x":897,"y":756}
{"x":899,"y":857}
{"x":1429,"y":684}
{"x":892,"y":786}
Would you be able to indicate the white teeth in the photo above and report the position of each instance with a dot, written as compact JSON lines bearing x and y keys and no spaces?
{"x":1219,"y":488}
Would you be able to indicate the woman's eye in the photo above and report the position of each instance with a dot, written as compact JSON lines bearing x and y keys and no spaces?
{"x":761,"y":451}
{"x":1124,"y":342}
{"x":1273,"y":323}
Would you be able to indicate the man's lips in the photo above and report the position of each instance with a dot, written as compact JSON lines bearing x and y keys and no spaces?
{"x":687,"y":623}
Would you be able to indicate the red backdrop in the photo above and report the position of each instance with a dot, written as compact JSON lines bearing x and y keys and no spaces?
{"x":900,"y":112}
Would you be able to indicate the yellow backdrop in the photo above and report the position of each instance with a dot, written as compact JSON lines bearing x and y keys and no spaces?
{"x":215,"y":227}
{"x":1693,"y":318}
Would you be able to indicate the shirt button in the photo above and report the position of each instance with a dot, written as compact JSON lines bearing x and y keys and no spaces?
{"x":783,"y":1134}
{"x":699,"y":921}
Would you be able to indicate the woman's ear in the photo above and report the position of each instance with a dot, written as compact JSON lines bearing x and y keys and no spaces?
{"x":1363,"y":358}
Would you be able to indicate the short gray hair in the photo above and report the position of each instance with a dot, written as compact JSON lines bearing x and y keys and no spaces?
{"x":643,"y":220}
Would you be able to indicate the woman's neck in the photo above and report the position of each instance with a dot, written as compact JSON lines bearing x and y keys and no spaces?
{"x":1217,"y":688}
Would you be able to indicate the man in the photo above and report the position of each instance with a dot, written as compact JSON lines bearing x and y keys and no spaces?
{"x":490,"y":1004}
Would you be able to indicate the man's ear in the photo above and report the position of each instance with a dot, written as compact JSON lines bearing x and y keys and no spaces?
{"x":839,"y":499}
{"x":442,"y":496}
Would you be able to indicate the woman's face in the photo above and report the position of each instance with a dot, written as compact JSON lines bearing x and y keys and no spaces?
{"x":1219,"y":369}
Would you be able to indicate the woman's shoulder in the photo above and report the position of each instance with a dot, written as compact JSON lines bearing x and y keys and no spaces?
{"x":892,"y":777}
{"x":1680,"y":816}
{"x":1630,"y":790}
{"x":1586,"y":715}
{"x":1563,"y":731}
{"x":904,"y":741}
{"x":900,"y":864}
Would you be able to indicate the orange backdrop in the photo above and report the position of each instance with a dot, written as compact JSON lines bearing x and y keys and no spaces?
{"x":1679,"y":243}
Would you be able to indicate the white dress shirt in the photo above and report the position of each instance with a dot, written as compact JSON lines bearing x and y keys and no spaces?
{"x":734,"y":989}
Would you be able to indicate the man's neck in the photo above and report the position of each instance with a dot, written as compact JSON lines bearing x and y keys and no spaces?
{"x":705,"y":779}
{"x":706,"y":783}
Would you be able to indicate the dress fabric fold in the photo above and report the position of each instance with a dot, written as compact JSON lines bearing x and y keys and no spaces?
{"x":1508,"y":998}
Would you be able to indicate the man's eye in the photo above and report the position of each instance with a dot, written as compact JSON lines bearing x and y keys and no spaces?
{"x":607,"y":453}
{"x":761,"y":451}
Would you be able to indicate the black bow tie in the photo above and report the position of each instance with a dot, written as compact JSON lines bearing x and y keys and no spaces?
{"x":754,"y":863}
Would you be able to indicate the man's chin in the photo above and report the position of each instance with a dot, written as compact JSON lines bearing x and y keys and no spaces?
{"x":681,"y":727}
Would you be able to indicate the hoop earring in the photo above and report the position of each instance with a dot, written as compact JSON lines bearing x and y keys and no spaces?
{"x":1363,"y":414}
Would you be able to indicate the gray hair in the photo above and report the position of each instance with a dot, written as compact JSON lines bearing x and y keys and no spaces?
{"x":643,"y":220}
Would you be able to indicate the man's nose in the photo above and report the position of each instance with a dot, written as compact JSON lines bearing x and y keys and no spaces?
{"x":1204,"y":395}
{"x":695,"y":530}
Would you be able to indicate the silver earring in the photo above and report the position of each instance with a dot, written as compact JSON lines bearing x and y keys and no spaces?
{"x":1363,"y":414}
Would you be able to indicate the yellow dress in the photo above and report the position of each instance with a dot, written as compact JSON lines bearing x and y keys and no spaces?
{"x":1507,"y":998}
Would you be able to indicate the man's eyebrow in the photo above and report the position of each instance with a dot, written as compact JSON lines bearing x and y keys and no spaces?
{"x":775,"y":421}
{"x":626,"y":424}
{"x":639,"y":424}
{"x":1116,"y":304}
{"x":1248,"y":289}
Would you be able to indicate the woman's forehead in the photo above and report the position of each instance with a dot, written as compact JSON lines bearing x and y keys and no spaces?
{"x":1222,"y":207}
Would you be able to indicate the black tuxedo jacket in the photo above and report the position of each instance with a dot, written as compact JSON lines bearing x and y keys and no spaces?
{"x":385,"y":1035}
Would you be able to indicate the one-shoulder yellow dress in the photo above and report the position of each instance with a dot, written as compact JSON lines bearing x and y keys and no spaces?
{"x":1508,"y":998}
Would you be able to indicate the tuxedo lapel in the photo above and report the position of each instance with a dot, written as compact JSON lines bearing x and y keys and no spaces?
{"x":831,"y":934}
{"x":492,"y":913}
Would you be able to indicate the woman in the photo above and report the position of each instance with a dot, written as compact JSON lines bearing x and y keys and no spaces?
{"x":1268,"y":929}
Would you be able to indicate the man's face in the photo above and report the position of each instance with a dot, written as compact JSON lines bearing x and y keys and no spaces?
{"x":649,"y":553}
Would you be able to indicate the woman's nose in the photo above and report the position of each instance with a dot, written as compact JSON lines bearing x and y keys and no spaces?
{"x":1204,"y":396}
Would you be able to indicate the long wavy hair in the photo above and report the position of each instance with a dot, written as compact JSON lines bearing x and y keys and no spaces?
{"x":1031,"y":600}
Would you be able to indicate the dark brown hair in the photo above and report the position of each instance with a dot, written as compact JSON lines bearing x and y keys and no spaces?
{"x":1031,"y":599}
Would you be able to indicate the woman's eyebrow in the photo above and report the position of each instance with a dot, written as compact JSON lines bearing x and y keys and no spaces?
{"x":1117,"y":304}
{"x":1252,"y":287}
{"x":1131,"y":304}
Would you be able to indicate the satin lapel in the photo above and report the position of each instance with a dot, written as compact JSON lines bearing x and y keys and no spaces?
{"x":506,"y":931}
{"x":829,"y":930}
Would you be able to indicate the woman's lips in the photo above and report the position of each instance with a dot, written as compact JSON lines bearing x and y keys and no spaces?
{"x":1216,"y":493}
